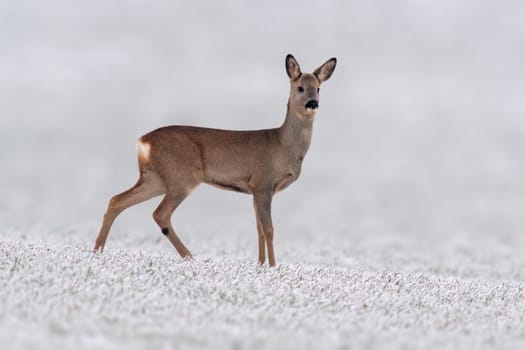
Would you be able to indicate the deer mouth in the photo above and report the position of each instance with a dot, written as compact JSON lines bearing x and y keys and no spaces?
{"x":312,"y":104}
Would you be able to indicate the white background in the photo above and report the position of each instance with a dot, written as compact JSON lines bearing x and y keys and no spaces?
{"x":416,"y":164}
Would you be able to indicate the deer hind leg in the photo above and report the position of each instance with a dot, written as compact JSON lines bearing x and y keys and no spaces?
{"x":162,"y":217}
{"x":148,"y":186}
{"x":263,"y":207}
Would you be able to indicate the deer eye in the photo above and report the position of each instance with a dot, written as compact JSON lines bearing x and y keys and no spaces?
{"x":300,"y":89}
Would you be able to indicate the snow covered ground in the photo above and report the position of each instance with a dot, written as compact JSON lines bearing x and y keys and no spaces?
{"x":405,"y":229}
{"x":63,"y":296}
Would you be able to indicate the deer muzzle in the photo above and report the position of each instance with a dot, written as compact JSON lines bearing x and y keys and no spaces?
{"x":312,"y":104}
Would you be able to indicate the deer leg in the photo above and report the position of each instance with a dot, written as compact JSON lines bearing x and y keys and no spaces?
{"x":262,"y":248}
{"x":260,"y":234}
{"x":263,"y":208}
{"x":162,"y":216}
{"x":144,"y":189}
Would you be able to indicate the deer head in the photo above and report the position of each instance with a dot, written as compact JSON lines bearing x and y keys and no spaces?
{"x":304,"y":87}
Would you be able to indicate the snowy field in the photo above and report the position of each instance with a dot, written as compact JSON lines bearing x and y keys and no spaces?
{"x":405,"y":229}
{"x":66,"y":297}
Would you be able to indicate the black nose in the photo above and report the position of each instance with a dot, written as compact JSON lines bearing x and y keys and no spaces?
{"x":312,"y":104}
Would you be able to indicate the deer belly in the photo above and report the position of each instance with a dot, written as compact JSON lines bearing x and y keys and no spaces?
{"x":228,"y":181}
{"x":230,"y":186}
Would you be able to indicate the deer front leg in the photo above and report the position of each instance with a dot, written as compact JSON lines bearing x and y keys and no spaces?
{"x":262,"y":241}
{"x":263,"y":214}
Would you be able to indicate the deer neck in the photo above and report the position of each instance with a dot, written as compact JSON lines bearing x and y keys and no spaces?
{"x":296,"y":133}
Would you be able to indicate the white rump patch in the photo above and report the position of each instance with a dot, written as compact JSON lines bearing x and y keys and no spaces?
{"x":143,"y":149}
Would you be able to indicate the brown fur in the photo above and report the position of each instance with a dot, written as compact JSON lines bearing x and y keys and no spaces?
{"x":174,"y":160}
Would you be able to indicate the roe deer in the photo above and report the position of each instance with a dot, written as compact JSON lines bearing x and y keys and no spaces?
{"x":174,"y":160}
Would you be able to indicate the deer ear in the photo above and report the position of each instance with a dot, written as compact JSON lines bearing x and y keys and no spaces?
{"x":292,"y":67}
{"x":324,"y":72}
